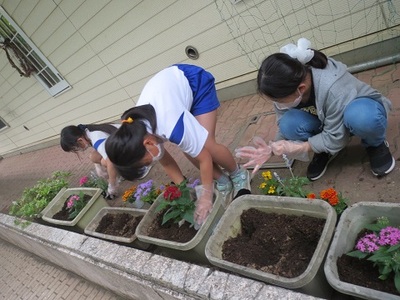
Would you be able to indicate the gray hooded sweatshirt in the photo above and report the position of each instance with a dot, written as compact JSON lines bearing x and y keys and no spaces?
{"x":334,"y":88}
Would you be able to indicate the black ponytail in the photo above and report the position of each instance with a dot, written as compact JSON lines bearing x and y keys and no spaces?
{"x":70,"y":134}
{"x":125,"y":146}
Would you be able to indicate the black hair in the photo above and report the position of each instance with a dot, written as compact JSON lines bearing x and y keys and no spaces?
{"x":280,"y":75}
{"x":125,"y":146}
{"x":70,"y":134}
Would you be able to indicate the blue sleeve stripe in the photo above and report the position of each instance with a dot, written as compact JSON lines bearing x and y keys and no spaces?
{"x":177,"y":132}
{"x":98,"y":143}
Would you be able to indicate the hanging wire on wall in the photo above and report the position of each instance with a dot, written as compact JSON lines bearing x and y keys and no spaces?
{"x":25,"y":68}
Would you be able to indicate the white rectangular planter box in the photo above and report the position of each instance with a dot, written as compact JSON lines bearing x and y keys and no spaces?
{"x":312,"y":281}
{"x":193,"y":250}
{"x":84,"y":216}
{"x":350,"y":224}
{"x":135,"y":212}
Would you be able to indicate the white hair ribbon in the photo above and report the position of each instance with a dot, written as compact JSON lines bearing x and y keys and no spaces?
{"x":300,"y":52}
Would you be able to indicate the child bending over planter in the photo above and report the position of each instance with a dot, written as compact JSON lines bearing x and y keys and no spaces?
{"x":319,"y":106}
{"x":179,"y":104}
{"x":81,"y":137}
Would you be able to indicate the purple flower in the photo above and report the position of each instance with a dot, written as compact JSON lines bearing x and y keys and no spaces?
{"x":194,"y":183}
{"x":368,"y":243}
{"x":389,"y":236}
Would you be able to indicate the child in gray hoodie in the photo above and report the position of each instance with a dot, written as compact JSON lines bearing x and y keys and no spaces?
{"x":319,"y":105}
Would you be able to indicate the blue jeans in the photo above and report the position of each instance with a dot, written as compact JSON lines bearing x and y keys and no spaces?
{"x":363,"y":117}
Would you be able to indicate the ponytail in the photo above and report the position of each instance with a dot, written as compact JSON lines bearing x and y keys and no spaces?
{"x":125,"y":146}
{"x":70,"y":134}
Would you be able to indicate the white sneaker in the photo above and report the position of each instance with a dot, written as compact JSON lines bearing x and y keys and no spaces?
{"x":241,"y":181}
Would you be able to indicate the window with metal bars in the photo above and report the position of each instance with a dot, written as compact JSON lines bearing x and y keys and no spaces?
{"x":44,"y":71}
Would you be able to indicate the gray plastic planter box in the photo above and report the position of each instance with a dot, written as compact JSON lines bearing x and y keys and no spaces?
{"x":350,"y":224}
{"x":312,"y":281}
{"x":193,"y":250}
{"x":135,"y":212}
{"x":84,"y":216}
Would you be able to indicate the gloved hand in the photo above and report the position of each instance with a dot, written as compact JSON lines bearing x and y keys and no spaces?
{"x":295,"y":150}
{"x":204,"y":204}
{"x":112,"y":192}
{"x":257,"y":156}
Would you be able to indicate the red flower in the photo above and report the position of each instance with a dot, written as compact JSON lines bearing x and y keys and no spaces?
{"x":172,"y":192}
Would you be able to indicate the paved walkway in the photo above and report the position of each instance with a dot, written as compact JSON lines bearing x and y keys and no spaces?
{"x":25,"y":276}
{"x":238,"y":120}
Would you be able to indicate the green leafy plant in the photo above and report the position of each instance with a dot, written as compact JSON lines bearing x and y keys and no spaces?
{"x":36,"y":198}
{"x":290,"y":187}
{"x":179,"y":204}
{"x":272,"y":184}
{"x":381,"y":246}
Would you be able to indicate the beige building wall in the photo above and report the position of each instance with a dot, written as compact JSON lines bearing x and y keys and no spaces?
{"x":108,"y":49}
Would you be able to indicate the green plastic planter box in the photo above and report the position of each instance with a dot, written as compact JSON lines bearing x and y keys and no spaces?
{"x":193,"y":250}
{"x":86,"y":214}
{"x":312,"y":281}
{"x":350,"y":224}
{"x":135,"y":212}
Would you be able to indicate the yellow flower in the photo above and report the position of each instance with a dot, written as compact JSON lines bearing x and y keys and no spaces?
{"x":271,"y":190}
{"x":267,"y":175}
{"x":263,"y":185}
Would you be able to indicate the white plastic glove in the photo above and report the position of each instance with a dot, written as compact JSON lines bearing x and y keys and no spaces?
{"x":112,"y":192}
{"x":204,"y":204}
{"x":294,"y":150}
{"x":257,"y":156}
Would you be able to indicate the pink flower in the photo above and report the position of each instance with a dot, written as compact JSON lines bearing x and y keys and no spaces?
{"x":70,"y":203}
{"x":389,"y":236}
{"x":71,"y":200}
{"x":83,"y":180}
{"x":368,"y":243}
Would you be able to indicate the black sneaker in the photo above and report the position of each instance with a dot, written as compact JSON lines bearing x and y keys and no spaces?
{"x":381,"y":160}
{"x":318,"y":165}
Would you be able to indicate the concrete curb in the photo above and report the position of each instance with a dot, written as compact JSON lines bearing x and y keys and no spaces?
{"x":132,"y":273}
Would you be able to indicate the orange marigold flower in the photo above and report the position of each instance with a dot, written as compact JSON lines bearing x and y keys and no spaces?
{"x":311,"y":196}
{"x":333,"y":200}
{"x":328,"y":193}
{"x":128,"y":193}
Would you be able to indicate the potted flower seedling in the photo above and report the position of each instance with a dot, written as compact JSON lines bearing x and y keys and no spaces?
{"x":169,"y":223}
{"x":75,"y":206}
{"x":363,"y":259}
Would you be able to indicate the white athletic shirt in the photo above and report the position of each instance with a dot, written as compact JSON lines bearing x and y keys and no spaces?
{"x":98,"y":139}
{"x":170,"y":94}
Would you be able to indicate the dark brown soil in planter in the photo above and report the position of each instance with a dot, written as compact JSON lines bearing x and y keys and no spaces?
{"x":63,"y":214}
{"x":171,"y":231}
{"x":279,"y":244}
{"x":118,"y":224}
{"x":362,"y":272}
